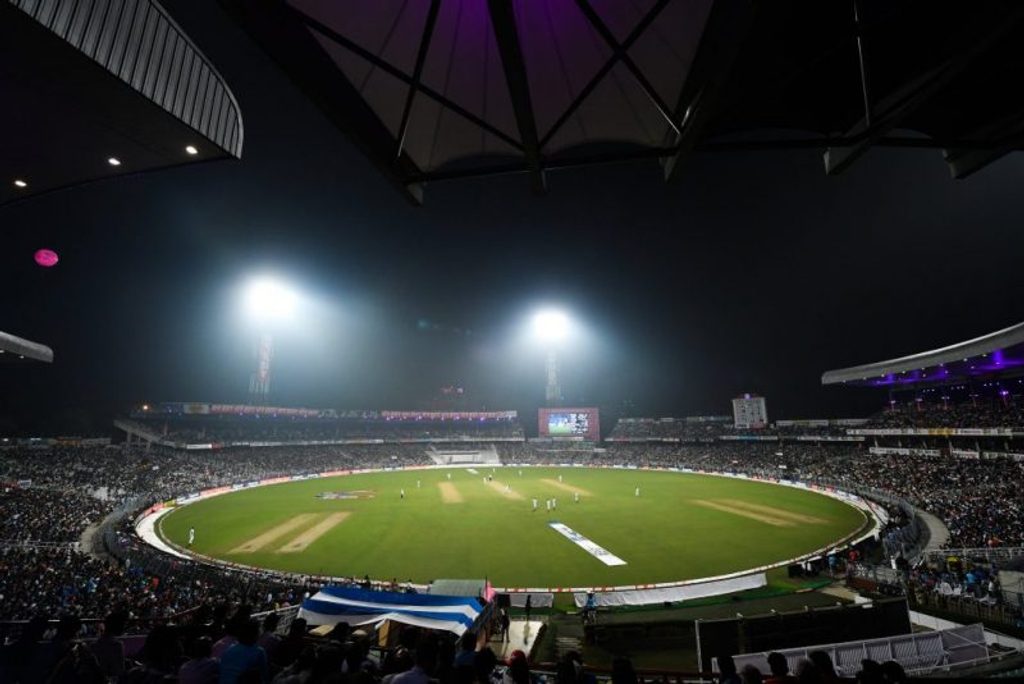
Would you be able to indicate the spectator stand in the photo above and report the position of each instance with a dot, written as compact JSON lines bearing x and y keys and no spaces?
{"x":921,"y":653}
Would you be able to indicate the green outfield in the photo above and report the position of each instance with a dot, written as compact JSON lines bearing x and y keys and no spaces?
{"x":681,"y":526}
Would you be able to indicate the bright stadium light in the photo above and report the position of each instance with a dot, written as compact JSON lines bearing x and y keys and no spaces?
{"x":268,"y":302}
{"x":550,"y":325}
{"x":270,"y":299}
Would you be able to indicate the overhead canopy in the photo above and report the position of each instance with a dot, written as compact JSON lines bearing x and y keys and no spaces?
{"x":1000,"y":353}
{"x":87,"y":82}
{"x":332,"y":605}
{"x":434,"y":90}
{"x":13,"y":347}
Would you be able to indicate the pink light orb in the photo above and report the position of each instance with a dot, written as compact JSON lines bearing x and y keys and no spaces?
{"x":46,"y":258}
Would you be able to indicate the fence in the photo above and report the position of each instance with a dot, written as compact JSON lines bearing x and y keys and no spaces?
{"x":999,"y":554}
{"x":908,"y":541}
{"x":23,"y":544}
{"x":918,"y":653}
{"x":964,"y":607}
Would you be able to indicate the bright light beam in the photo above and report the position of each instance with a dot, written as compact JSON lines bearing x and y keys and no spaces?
{"x":550,"y":325}
{"x":270,"y":299}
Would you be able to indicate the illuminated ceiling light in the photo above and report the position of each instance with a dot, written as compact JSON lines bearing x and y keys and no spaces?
{"x":20,"y":183}
{"x":191,"y":149}
{"x":114,"y":161}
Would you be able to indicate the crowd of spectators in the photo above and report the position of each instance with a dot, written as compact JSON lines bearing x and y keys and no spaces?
{"x":706,"y":430}
{"x":678,"y":429}
{"x":223,"y":430}
{"x":50,"y":496}
{"x":980,"y":412}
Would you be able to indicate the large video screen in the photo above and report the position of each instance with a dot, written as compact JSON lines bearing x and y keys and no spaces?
{"x":569,"y":423}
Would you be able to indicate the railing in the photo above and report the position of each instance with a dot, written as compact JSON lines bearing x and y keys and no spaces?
{"x":285,"y":615}
{"x":548,"y":673}
{"x":913,"y":537}
{"x":881,"y":574}
{"x":28,"y":544}
{"x":999,"y":554}
{"x":964,"y":607}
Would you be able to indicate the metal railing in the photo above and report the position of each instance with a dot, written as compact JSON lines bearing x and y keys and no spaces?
{"x":999,"y":554}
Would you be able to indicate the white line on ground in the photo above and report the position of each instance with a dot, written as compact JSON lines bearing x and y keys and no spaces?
{"x":598,"y":552}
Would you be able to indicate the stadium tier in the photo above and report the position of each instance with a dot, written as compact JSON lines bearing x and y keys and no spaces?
{"x":157,"y":531}
{"x":208,"y":426}
{"x":53,"y":493}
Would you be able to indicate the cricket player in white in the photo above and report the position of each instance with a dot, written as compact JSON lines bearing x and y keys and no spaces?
{"x":576,"y":497}
{"x":191,"y":535}
{"x":534,"y":504}
{"x":401,"y":493}
{"x":637,"y":492}
{"x":554,"y":504}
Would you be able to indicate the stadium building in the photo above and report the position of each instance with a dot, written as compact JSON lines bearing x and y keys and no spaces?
{"x":242,"y":541}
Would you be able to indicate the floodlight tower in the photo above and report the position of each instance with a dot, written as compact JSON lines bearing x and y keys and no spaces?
{"x":267,"y":301}
{"x":551,"y":326}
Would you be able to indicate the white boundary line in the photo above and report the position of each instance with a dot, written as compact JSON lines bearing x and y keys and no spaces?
{"x":157,"y":540}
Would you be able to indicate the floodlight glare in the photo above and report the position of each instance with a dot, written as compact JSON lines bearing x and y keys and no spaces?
{"x":266,"y":298}
{"x":550,"y":325}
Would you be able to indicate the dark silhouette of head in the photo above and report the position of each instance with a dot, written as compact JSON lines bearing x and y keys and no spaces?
{"x":778,"y":664}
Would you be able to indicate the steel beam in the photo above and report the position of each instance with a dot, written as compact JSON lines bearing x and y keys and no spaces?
{"x":506,"y":34}
{"x":887,"y":114}
{"x":726,"y":27}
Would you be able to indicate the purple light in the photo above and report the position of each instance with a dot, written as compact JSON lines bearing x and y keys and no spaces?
{"x":46,"y":258}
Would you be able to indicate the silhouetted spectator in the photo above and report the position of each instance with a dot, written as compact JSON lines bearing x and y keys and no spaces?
{"x":245,"y":658}
{"x":780,"y":669}
{"x":201,"y":667}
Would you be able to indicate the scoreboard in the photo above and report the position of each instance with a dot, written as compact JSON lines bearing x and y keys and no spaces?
{"x":582,"y":424}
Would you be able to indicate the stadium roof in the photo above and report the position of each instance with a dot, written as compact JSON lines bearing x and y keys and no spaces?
{"x":433,"y":90}
{"x":16,"y":348}
{"x":89,"y":82}
{"x":997,"y":354}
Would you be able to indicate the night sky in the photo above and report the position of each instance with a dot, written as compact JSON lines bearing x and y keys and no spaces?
{"x":754,"y":273}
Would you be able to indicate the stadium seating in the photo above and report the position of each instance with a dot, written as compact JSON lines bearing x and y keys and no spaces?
{"x":54,"y":498}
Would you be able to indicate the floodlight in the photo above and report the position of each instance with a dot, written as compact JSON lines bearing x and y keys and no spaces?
{"x":268,"y":298}
{"x":550,"y":325}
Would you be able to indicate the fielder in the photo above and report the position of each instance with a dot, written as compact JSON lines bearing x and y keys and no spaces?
{"x":534,"y":504}
{"x":191,"y":535}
